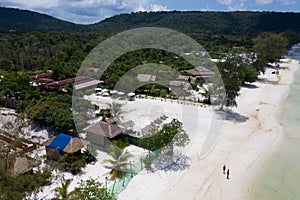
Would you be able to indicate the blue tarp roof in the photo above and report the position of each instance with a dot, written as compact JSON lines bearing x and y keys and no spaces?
{"x":61,"y":141}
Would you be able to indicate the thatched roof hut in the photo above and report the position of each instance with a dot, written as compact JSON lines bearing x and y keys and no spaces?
{"x":200,"y":71}
{"x":23,"y":165}
{"x":109,"y":130}
{"x":63,"y":143}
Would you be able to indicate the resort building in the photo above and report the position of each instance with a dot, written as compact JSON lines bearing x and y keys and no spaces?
{"x":99,"y":133}
{"x":180,"y":87}
{"x":146,"y":78}
{"x":200,"y":72}
{"x":23,"y":165}
{"x":62,"y":144}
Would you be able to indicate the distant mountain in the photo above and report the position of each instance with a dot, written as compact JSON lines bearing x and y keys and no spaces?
{"x":23,"y":20}
{"x":190,"y":22}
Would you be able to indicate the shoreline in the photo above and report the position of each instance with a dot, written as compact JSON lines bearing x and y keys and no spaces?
{"x":286,"y":80}
{"x":284,"y":132}
{"x":243,"y":146}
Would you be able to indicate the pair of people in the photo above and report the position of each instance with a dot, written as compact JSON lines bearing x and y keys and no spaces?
{"x":224,"y":170}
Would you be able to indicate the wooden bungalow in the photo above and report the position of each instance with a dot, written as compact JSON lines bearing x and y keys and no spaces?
{"x":200,"y":72}
{"x":100,"y":133}
{"x":180,"y":87}
{"x":23,"y":165}
{"x":63,"y":144}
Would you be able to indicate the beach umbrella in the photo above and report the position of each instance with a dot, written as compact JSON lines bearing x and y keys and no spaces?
{"x":131,"y":94}
{"x":114,"y":92}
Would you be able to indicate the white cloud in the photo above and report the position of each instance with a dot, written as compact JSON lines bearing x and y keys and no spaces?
{"x":31,"y":4}
{"x":225,"y":2}
{"x":233,"y":4}
{"x":264,"y":2}
{"x":85,"y":11}
{"x":89,"y":3}
{"x":287,"y":2}
{"x":156,"y":7}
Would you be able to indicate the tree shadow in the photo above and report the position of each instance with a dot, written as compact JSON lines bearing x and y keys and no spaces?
{"x":230,"y":115}
{"x":177,"y":162}
{"x":266,"y":81}
{"x":249,"y":86}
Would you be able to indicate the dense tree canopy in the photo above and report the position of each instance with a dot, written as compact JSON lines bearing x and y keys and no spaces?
{"x":33,"y":51}
{"x":232,"y":81}
{"x":166,"y":138}
{"x":270,"y":47}
{"x":91,"y":189}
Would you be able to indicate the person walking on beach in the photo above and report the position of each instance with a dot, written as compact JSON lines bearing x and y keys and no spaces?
{"x":224,"y":169}
{"x":227,"y":173}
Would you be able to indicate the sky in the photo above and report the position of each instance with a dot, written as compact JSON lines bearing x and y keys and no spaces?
{"x":92,"y":11}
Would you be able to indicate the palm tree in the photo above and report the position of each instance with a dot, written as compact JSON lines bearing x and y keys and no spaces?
{"x":116,"y":109}
{"x":62,"y":191}
{"x":148,"y":162}
{"x":90,"y":153}
{"x":118,"y":163}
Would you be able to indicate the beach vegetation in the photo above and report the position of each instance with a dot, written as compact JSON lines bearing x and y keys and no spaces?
{"x":164,"y":139}
{"x":118,"y":163}
{"x":121,"y":143}
{"x":62,"y":192}
{"x":148,"y":161}
{"x":17,"y":186}
{"x":91,"y":189}
{"x":231,"y":78}
{"x":105,"y":113}
{"x":116,"y":110}
{"x":270,"y":48}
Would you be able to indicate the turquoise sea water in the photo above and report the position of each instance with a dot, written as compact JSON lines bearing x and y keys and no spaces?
{"x":280,"y":177}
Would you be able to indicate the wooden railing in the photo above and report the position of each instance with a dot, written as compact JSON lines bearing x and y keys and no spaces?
{"x":26,"y":145}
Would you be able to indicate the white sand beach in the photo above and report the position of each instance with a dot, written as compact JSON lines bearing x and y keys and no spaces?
{"x":243,"y":148}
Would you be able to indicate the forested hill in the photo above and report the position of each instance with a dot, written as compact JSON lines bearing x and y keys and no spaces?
{"x":236,"y":23}
{"x":23,"y":21}
{"x":190,"y":22}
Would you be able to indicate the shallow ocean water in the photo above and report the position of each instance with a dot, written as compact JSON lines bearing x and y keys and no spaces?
{"x":279,"y":179}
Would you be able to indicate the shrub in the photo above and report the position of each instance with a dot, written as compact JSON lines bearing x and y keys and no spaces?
{"x":121,"y":143}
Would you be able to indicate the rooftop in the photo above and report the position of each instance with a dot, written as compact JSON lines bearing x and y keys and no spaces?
{"x":146,"y":77}
{"x":66,"y":143}
{"x":200,"y":71}
{"x":23,"y":165}
{"x":176,"y":83}
{"x":109,"y":130}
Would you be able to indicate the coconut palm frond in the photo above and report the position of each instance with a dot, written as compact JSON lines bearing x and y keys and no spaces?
{"x":118,"y":162}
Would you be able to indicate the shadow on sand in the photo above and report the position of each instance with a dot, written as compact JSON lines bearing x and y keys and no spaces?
{"x":266,"y":81}
{"x":232,"y":116}
{"x":249,"y":86}
{"x":179,"y":162}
